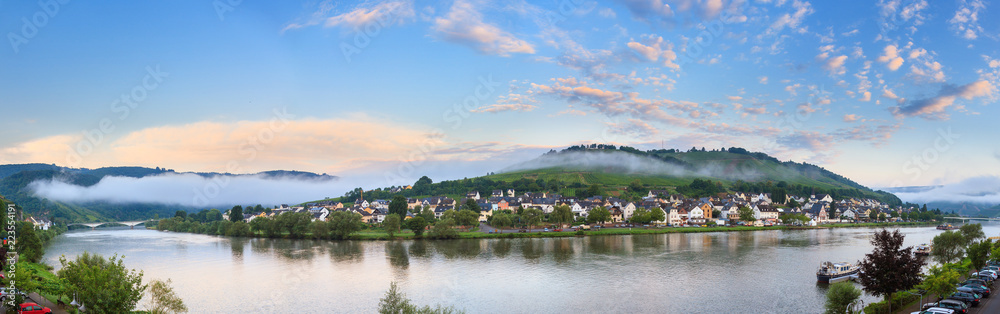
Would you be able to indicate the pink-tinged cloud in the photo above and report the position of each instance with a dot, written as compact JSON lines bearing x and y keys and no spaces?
{"x":891,"y":58}
{"x":464,"y":25}
{"x":935,"y":107}
{"x":850,"y":117}
{"x":383,"y":14}
{"x":634,"y":127}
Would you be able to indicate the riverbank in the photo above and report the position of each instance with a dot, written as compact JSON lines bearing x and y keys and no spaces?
{"x":380,"y":235}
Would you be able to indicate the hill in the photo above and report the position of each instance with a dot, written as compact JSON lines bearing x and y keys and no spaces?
{"x":630,"y":173}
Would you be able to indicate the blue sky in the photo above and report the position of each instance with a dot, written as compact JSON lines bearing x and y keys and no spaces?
{"x":892,"y":93}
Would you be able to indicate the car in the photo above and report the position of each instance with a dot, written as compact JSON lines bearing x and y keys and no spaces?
{"x":981,"y":290}
{"x":990,"y":273}
{"x":957,"y":306}
{"x":557,"y":230}
{"x":7,"y":292}
{"x":976,"y":281}
{"x":935,"y":310}
{"x":984,"y":277}
{"x":992,"y":267}
{"x":546,"y":229}
{"x":32,"y":308}
{"x":971,"y":298}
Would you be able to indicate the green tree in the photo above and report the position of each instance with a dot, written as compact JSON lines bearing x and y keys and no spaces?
{"x":181,"y":213}
{"x":778,"y":196}
{"x":449,"y":214}
{"x":941,"y":281}
{"x":467,"y":217}
{"x":657,"y":214}
{"x":427,"y":213}
{"x":832,"y":212}
{"x":213,"y":215}
{"x":793,"y":203}
{"x":501,"y":221}
{"x":640,"y":216}
{"x":470,"y":204}
{"x":873,"y":215}
{"x":391,"y":224}
{"x":238,"y":229}
{"x":978,"y":252}
{"x":343,"y":224}
{"x":395,"y":302}
{"x":599,"y":215}
{"x":103,"y":285}
{"x":236,"y":214}
{"x":562,"y":214}
{"x":162,"y":298}
{"x":417,"y":224}
{"x":635,"y":186}
{"x":972,"y":232}
{"x":889,"y":267}
{"x":444,"y":229}
{"x":532,"y":216}
{"x":296,"y":224}
{"x":746,"y":214}
{"x":258,"y":209}
{"x":319,"y":229}
{"x":840,"y":296}
{"x":947,"y":247}
{"x":398,"y":206}
{"x":28,"y":245}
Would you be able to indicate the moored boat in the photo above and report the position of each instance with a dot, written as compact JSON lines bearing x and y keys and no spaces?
{"x":832,"y":272}
{"x":923,"y":250}
{"x":946,"y":227}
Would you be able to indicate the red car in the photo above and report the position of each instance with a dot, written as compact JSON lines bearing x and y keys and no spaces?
{"x":32,"y":308}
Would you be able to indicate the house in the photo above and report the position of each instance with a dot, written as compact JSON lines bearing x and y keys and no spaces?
{"x":628,"y":210}
{"x":658,"y":193}
{"x":40,"y":223}
{"x":766,"y":213}
{"x":510,"y":193}
{"x":473,"y":195}
{"x":616,"y":214}
{"x":818,"y":212}
{"x":363,"y":203}
{"x":318,"y":213}
{"x":497,"y":193}
{"x":821,"y":198}
{"x":485,"y":213}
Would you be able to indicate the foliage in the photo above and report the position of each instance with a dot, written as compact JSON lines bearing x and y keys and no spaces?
{"x":840,"y":296}
{"x":599,"y":215}
{"x":391,"y":224}
{"x":793,"y":218}
{"x":561,"y":214}
{"x":889,"y":268}
{"x":947,"y":247}
{"x":104,"y":285}
{"x":343,"y":224}
{"x":657,"y":214}
{"x":940,"y":281}
{"x":319,"y":229}
{"x":428,"y":214}
{"x":295,"y":224}
{"x":470,"y":204}
{"x":532,"y":216}
{"x":239,"y":229}
{"x":444,"y":229}
{"x":163,"y":299}
{"x":28,"y":245}
{"x":972,"y":232}
{"x":978,"y":252}
{"x":467,"y":217}
{"x":417,"y":224}
{"x":898,"y":300}
{"x":396,"y":302}
{"x":746,"y":214}
{"x":398,"y":206}
{"x":701,"y":188}
{"x":501,"y":220}
{"x":236,"y":214}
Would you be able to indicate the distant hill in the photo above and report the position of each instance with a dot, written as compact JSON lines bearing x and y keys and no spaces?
{"x":15,"y":178}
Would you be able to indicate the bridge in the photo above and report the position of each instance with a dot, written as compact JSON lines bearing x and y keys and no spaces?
{"x":94,"y":225}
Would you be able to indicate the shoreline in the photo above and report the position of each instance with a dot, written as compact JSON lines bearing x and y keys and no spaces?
{"x":378,"y":235}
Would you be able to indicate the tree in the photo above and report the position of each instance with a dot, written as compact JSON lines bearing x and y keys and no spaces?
{"x":779,"y":195}
{"x":873,"y":215}
{"x":793,"y":203}
{"x":832,"y":212}
{"x":889,"y":267}
{"x":238,"y":229}
{"x":562,"y":214}
{"x":181,"y":213}
{"x":28,"y":245}
{"x":103,"y":285}
{"x":443,"y":229}
{"x":318,"y":229}
{"x":398,"y":206}
{"x":635,"y":186}
{"x":417,"y":224}
{"x":163,"y":299}
{"x":881,"y":217}
{"x":343,"y":224}
{"x":978,"y":252}
{"x":941,"y":280}
{"x":213,"y":215}
{"x":236,"y":214}
{"x":657,"y":214}
{"x":840,"y":296}
{"x":470,"y":204}
{"x":391,"y":224}
{"x":746,"y":214}
{"x":427,"y":213}
{"x":532,"y":216}
{"x":972,"y":232}
{"x":296,"y":224}
{"x":449,"y":214}
{"x":599,"y":215}
{"x":466,"y":217}
{"x":947,"y":247}
{"x":258,"y":209}
{"x":501,"y":221}
{"x":395,"y":302}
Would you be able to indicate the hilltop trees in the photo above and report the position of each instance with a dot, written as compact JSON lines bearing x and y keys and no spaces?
{"x":889,"y":267}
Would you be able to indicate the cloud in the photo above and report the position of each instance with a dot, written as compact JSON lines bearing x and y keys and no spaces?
{"x":633,"y":127}
{"x":648,"y":10}
{"x":792,"y":20}
{"x":850,"y":117}
{"x":607,"y":13}
{"x":934,"y":107}
{"x":891,"y":58}
{"x":965,"y":22}
{"x":463,"y":24}
{"x":894,"y":14}
{"x":762,"y":80}
{"x":510,"y":102}
{"x":807,"y":140}
{"x":653,"y":49}
{"x":980,"y":190}
{"x":384,"y":14}
{"x":835,"y":65}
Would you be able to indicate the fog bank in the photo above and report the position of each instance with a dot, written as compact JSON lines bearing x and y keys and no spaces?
{"x":980,"y":190}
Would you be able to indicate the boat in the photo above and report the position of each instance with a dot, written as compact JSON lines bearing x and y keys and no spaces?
{"x":923,"y":250}
{"x":946,"y":227}
{"x":833,"y":272}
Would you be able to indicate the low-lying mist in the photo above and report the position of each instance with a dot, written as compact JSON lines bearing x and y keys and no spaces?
{"x":628,"y":163}
{"x":979,"y":190}
{"x":192,"y":190}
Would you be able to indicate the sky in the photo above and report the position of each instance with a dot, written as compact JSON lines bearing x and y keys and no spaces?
{"x":888,"y":93}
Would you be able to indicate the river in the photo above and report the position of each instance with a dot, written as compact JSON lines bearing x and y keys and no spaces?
{"x":719,"y":272}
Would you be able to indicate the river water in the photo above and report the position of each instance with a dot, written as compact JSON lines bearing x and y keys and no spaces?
{"x":720,"y":272}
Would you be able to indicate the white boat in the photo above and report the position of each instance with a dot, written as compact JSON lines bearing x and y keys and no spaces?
{"x":923,"y":250}
{"x":833,"y":272}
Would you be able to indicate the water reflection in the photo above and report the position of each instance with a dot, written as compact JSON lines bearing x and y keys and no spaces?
{"x":418,"y":248}
{"x":531,"y":249}
{"x":237,"y":248}
{"x":397,"y":255}
{"x":346,"y":251}
{"x":562,"y":250}
{"x":501,"y":248}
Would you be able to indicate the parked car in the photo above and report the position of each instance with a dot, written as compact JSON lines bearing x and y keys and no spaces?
{"x":32,"y":308}
{"x":990,"y":273}
{"x":8,"y":292}
{"x":557,"y":230}
{"x":957,"y":306}
{"x":976,"y":281}
{"x":985,"y":292}
{"x":935,"y":310}
{"x":546,"y":229}
{"x":971,"y":298}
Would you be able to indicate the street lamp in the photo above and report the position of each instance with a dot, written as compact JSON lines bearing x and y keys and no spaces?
{"x":857,"y":306}
{"x":921,"y":293}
